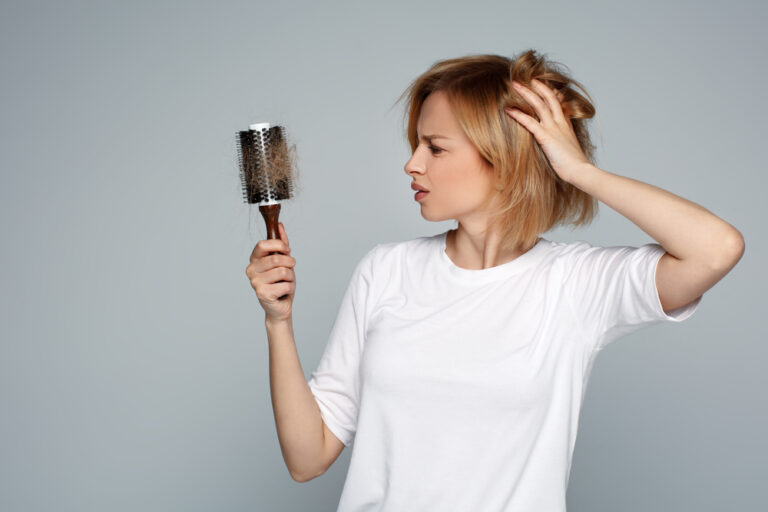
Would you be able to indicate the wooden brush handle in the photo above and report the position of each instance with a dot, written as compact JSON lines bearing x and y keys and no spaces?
{"x":271,"y":213}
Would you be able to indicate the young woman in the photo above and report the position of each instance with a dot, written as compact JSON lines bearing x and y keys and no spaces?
{"x":458,"y":362}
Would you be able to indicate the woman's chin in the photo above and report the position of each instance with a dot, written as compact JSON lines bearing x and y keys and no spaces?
{"x":431,"y":217}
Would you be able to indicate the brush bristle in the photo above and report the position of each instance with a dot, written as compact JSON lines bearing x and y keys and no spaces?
{"x":265,"y":165}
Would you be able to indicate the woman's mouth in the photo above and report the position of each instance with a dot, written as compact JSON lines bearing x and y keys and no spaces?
{"x":420,"y":195}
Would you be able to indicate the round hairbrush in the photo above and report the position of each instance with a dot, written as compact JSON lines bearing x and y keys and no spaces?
{"x":266,"y":171}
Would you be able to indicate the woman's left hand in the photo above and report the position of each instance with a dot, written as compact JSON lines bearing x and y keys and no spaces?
{"x":554,"y":132}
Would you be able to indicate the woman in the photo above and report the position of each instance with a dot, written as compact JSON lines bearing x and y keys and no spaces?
{"x":458,"y":362}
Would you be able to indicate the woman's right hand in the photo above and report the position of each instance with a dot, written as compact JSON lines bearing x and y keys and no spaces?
{"x":272,"y":276}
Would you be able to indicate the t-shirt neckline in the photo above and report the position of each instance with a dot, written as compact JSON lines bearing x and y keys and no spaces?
{"x":517,"y":265}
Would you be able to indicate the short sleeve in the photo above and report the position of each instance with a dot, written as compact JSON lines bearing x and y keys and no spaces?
{"x":613,"y":290}
{"x":336,"y":382}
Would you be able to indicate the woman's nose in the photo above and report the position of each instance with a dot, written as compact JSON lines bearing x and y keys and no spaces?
{"x":413,"y":165}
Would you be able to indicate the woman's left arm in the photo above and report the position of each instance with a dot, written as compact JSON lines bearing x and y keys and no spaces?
{"x":701,"y":248}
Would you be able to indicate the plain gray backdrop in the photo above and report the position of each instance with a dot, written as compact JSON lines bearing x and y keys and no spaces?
{"x":134,"y":360}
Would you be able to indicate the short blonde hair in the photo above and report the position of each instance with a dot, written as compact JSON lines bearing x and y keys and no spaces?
{"x":478,"y":88}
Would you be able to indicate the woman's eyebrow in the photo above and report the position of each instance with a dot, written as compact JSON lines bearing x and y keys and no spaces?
{"x":434,"y":136}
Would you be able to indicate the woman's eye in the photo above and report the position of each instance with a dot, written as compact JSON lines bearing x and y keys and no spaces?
{"x":435,"y":150}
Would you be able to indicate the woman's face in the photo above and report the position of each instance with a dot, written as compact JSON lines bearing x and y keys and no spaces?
{"x":447,"y":164}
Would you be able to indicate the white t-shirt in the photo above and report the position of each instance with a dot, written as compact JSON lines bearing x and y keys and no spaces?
{"x":462,"y":388}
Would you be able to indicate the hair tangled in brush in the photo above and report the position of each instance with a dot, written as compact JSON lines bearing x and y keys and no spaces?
{"x":479,"y":87}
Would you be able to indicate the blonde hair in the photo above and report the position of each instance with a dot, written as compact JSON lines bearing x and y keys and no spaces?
{"x":478,"y":88}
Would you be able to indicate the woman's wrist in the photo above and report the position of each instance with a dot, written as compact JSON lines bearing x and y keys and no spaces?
{"x":271,"y":322}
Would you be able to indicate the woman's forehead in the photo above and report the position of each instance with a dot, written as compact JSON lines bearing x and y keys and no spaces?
{"x":436,"y":117}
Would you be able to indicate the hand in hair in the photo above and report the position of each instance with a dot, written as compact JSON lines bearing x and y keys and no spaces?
{"x":553,"y":131}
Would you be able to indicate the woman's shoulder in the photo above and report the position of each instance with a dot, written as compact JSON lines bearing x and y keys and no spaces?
{"x":580,"y":259}
{"x":410,"y":252}
{"x":412,"y":246}
{"x":583,"y":248}
{"x":420,"y":252}
{"x":421,"y":249}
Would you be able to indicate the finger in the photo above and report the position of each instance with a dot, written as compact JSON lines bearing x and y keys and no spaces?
{"x":531,"y":124}
{"x":274,"y":261}
{"x":284,"y":236}
{"x":278,"y":291}
{"x":278,"y":275}
{"x":534,"y":100}
{"x":552,"y":100}
{"x":264,"y":247}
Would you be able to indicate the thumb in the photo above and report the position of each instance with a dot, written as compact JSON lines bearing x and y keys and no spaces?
{"x":284,"y":235}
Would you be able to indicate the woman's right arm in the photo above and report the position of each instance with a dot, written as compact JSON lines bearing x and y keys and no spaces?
{"x":308,"y":447}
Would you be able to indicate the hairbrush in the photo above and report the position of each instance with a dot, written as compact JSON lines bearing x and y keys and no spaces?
{"x":266,"y":171}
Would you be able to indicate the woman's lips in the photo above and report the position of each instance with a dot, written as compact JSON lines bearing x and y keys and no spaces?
{"x":420,"y":195}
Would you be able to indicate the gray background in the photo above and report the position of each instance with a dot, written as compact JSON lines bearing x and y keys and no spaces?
{"x":133,"y":364}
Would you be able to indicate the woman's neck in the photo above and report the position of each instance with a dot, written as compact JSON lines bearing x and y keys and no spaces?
{"x":478,"y":250}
